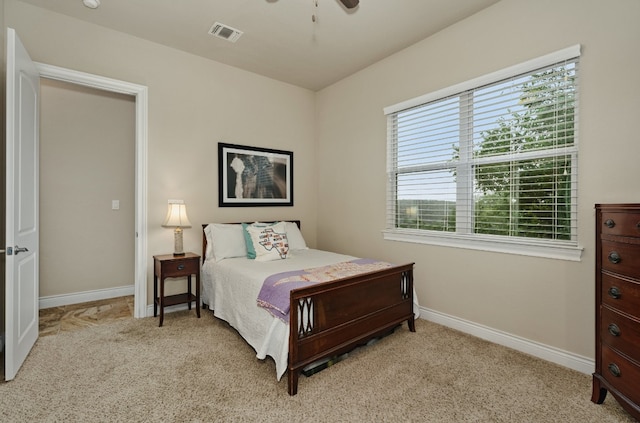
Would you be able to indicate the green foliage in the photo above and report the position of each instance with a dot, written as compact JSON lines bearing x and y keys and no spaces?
{"x":533,"y":196}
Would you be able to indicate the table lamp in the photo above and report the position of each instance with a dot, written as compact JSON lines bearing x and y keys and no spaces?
{"x":177,"y":218}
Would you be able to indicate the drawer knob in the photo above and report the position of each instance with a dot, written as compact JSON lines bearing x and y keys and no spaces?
{"x":614,"y":369}
{"x":614,"y":329}
{"x":614,"y":257}
{"x":181,"y":267}
{"x":614,"y":292}
{"x":609,"y":223}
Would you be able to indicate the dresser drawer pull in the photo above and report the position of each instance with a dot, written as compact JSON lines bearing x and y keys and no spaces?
{"x":614,"y":329}
{"x":614,"y":257}
{"x":181,"y":267}
{"x":614,"y":292}
{"x":614,"y":369}
{"x":609,"y":223}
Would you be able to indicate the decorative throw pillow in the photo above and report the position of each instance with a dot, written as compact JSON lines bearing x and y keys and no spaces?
{"x":251,"y":251}
{"x":270,"y":242}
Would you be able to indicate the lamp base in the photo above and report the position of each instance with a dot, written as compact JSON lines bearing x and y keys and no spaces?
{"x":177,"y":245}
{"x":179,"y":254}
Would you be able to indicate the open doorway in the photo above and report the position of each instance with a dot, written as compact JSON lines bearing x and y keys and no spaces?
{"x":87,"y":194}
{"x":140,"y":94}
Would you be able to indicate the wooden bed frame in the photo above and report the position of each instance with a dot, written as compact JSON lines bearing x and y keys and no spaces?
{"x":332,"y":318}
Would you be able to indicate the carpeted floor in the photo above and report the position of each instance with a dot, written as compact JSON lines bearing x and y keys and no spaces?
{"x":200,"y":370}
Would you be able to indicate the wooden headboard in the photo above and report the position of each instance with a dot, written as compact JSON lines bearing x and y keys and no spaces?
{"x":204,"y":237}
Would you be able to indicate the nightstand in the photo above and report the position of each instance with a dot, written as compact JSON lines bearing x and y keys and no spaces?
{"x":170,"y":266}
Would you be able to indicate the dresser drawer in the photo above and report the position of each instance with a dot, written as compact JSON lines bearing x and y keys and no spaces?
{"x":622,"y":373}
{"x":620,"y":332}
{"x":621,"y":294}
{"x":621,"y":257}
{"x":180,"y":267}
{"x":623,"y":224}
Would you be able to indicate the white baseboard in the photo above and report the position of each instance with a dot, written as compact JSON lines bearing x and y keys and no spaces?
{"x":573,"y":361}
{"x":86,"y":296}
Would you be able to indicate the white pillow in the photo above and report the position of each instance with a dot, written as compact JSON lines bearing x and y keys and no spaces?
{"x":208,"y":254}
{"x":225,"y":240}
{"x":269,"y":242}
{"x":296,"y":241}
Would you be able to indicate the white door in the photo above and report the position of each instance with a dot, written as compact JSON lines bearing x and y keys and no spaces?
{"x":22,"y":254}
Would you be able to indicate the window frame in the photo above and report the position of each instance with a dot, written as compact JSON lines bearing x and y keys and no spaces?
{"x":537,"y":247}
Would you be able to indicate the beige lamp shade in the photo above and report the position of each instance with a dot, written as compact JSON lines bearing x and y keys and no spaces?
{"x":177,"y":218}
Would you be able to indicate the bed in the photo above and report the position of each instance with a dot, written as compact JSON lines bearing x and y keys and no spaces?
{"x":325,"y":320}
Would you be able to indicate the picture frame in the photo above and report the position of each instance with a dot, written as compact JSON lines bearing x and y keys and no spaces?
{"x":254,"y":176}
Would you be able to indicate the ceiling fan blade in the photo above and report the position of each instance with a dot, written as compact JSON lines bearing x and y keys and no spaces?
{"x":350,"y":4}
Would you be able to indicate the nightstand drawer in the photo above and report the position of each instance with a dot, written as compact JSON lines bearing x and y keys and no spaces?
{"x":180,"y":267}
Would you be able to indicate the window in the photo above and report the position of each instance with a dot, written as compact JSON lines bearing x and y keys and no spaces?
{"x":491,"y":163}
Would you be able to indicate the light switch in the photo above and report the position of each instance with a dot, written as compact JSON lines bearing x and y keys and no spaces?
{"x":115,"y":204}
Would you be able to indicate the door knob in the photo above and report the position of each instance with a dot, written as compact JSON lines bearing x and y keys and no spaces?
{"x":17,"y":250}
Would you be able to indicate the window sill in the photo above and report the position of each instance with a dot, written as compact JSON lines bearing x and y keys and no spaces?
{"x":533,"y":247}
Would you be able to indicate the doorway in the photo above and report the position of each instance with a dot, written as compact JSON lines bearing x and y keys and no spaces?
{"x":140,"y":94}
{"x":87,"y":194}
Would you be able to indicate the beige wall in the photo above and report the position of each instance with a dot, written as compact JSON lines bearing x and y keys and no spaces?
{"x":87,"y":159}
{"x":194,"y":103}
{"x":543,"y":300}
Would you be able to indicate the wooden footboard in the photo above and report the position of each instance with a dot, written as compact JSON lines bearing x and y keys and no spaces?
{"x":333,"y":318}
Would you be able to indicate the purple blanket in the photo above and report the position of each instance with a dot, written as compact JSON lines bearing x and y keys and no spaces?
{"x":274,"y":295}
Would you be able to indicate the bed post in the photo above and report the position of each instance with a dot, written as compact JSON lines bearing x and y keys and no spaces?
{"x":407,"y":287}
{"x":293,"y":374}
{"x":293,"y":381}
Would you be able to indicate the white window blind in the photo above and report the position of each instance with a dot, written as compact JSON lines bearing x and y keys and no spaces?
{"x":493,"y":159}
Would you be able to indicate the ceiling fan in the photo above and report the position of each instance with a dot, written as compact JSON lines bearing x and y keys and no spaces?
{"x":350,"y":4}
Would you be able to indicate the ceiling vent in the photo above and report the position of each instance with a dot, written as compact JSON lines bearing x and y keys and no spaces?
{"x":225,"y":32}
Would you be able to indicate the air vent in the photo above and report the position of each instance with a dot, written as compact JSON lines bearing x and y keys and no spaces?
{"x":225,"y":32}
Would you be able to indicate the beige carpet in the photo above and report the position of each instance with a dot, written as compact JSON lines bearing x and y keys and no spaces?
{"x":200,"y":370}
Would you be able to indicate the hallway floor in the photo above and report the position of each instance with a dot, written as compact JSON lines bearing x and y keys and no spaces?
{"x":78,"y":316}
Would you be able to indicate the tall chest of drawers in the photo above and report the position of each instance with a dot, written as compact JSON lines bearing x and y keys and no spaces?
{"x":618,"y":305}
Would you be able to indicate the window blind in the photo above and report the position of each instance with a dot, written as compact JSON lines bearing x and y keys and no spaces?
{"x":495,"y":160}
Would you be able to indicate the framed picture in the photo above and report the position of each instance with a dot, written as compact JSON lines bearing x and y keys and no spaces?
{"x":252,"y":176}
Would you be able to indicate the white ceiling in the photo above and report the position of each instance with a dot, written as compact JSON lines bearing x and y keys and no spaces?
{"x":280,"y":39}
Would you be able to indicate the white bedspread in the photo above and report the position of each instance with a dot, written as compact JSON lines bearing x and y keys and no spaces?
{"x":230,"y":287}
